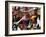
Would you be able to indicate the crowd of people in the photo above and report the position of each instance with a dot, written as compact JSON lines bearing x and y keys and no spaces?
{"x":25,"y":19}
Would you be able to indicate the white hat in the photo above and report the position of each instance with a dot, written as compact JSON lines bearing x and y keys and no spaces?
{"x":34,"y":8}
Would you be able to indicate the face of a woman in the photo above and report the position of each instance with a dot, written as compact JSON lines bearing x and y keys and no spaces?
{"x":33,"y":12}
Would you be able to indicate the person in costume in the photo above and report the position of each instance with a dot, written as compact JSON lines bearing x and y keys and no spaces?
{"x":15,"y":17}
{"x":33,"y":17}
